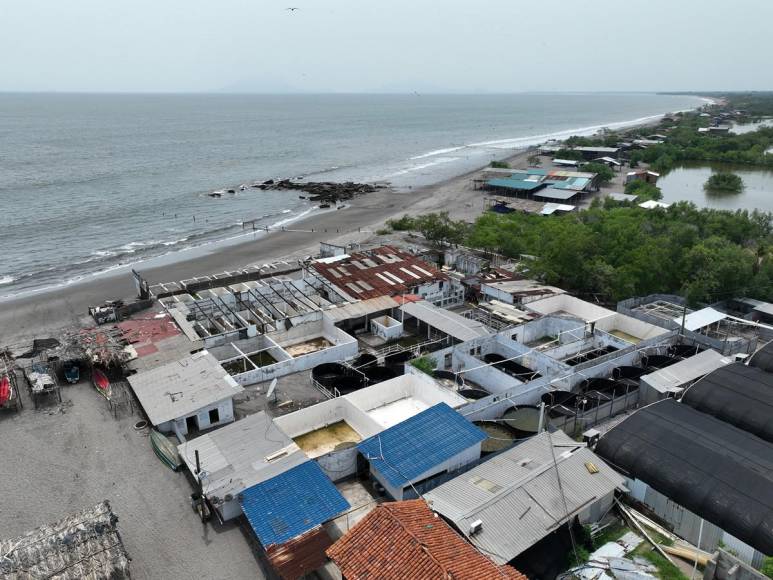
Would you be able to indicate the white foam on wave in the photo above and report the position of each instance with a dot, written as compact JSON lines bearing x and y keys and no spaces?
{"x":438,"y":152}
{"x":6,"y":280}
{"x":421,"y":166}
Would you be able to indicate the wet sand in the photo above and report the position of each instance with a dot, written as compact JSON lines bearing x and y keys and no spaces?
{"x":43,"y":314}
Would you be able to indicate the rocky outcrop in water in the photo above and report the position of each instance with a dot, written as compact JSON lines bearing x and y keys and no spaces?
{"x":324,"y":191}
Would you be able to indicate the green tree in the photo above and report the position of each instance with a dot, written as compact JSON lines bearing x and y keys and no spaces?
{"x":643,"y":190}
{"x":604,"y":172}
{"x":500,"y":165}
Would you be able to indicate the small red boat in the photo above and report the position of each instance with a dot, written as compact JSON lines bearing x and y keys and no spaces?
{"x":5,"y":390}
{"x":101,"y":382}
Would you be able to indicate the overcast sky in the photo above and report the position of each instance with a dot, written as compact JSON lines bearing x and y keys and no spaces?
{"x":385,"y":46}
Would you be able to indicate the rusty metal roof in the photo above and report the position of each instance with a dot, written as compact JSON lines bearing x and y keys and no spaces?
{"x":384,"y":271}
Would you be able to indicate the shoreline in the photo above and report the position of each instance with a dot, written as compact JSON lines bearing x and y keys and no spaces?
{"x":34,"y":313}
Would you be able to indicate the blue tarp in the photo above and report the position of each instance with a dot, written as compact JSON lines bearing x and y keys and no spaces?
{"x":291,"y":504}
{"x":404,"y":452}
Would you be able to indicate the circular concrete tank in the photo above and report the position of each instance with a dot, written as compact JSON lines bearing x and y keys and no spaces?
{"x":378,"y":374}
{"x":500,"y":436}
{"x":473,"y":394}
{"x":327,"y":374}
{"x":524,"y":419}
{"x":448,"y":378}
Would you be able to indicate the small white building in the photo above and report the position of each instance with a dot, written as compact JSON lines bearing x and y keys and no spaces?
{"x":237,"y":457}
{"x":191,"y":394}
{"x":386,"y":327}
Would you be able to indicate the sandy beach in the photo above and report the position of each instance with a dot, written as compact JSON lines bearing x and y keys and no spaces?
{"x":42,"y":314}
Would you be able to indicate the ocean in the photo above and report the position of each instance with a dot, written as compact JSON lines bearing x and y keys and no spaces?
{"x":91,"y":182}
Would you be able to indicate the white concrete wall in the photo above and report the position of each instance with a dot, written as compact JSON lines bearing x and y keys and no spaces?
{"x":632,"y":326}
{"x":344,"y":347}
{"x":226,"y":415}
{"x":494,"y":293}
{"x":386,"y":327}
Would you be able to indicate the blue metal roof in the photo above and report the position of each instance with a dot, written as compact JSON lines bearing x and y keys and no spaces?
{"x":291,"y":503}
{"x":509,"y":183}
{"x":420,"y":443}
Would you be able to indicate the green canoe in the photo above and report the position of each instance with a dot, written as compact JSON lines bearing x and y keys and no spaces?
{"x":165,"y":450}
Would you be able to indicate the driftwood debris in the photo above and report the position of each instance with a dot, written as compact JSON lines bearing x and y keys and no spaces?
{"x":324,"y":191}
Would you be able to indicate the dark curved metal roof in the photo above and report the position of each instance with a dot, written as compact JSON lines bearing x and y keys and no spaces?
{"x":736,"y":394}
{"x":717,"y":471}
{"x":763,"y":358}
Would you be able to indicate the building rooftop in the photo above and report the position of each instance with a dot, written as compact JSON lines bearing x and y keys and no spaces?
{"x":384,"y":271}
{"x":416,"y":445}
{"x":551,"y":208}
{"x":319,"y":429}
{"x":673,"y":377}
{"x":524,"y":288}
{"x":360,"y":309}
{"x":556,"y":193}
{"x":241,"y":454}
{"x":622,"y":197}
{"x":717,"y":471}
{"x":519,"y":184}
{"x":736,"y":394}
{"x":700,"y":318}
{"x":445,"y":321}
{"x":83,"y":545}
{"x":404,"y":539}
{"x":182,"y":387}
{"x":519,"y":490}
{"x":291,"y":504}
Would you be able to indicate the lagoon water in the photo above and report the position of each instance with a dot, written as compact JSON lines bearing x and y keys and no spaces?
{"x":686,"y":184}
{"x":88,"y":182}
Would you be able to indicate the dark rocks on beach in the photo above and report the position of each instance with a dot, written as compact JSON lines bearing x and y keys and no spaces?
{"x":325,"y":191}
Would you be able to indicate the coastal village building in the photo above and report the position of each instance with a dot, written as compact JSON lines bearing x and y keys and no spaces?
{"x":238,"y":456}
{"x":403,"y":540}
{"x":286,"y":514}
{"x":387,"y":271}
{"x":508,"y":503}
{"x":538,"y":184}
{"x":517,"y":292}
{"x":188,"y":395}
{"x":708,"y":476}
{"x":328,"y":432}
{"x":642,"y":175}
{"x":416,"y":453}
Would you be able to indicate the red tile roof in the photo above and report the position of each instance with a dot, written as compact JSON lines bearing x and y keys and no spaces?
{"x":384,"y":271}
{"x":405,"y":539}
{"x":145,"y":332}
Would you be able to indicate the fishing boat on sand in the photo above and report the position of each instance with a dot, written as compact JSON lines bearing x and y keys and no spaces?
{"x":165,"y":450}
{"x":101,"y":383}
{"x":6,"y":392}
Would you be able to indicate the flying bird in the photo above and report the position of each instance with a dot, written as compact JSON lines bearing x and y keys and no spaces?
{"x":292,"y":9}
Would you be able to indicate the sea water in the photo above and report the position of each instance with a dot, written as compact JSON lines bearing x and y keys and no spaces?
{"x":89,"y":182}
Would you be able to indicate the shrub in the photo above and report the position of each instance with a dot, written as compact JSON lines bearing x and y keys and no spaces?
{"x":500,"y":165}
{"x":404,"y":224}
{"x":724,"y":181}
{"x":425,"y":364}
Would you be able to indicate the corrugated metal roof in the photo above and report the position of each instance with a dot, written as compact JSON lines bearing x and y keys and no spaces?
{"x":291,"y":504}
{"x":701,"y":318}
{"x":181,"y":388}
{"x":551,"y":208}
{"x":622,"y":196}
{"x":556,"y":193}
{"x":404,"y":452}
{"x":445,"y":321}
{"x":363,"y":308}
{"x":517,"y":497}
{"x":677,"y":375}
{"x":521,"y":184}
{"x":382,"y":275}
{"x":242,"y":454}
